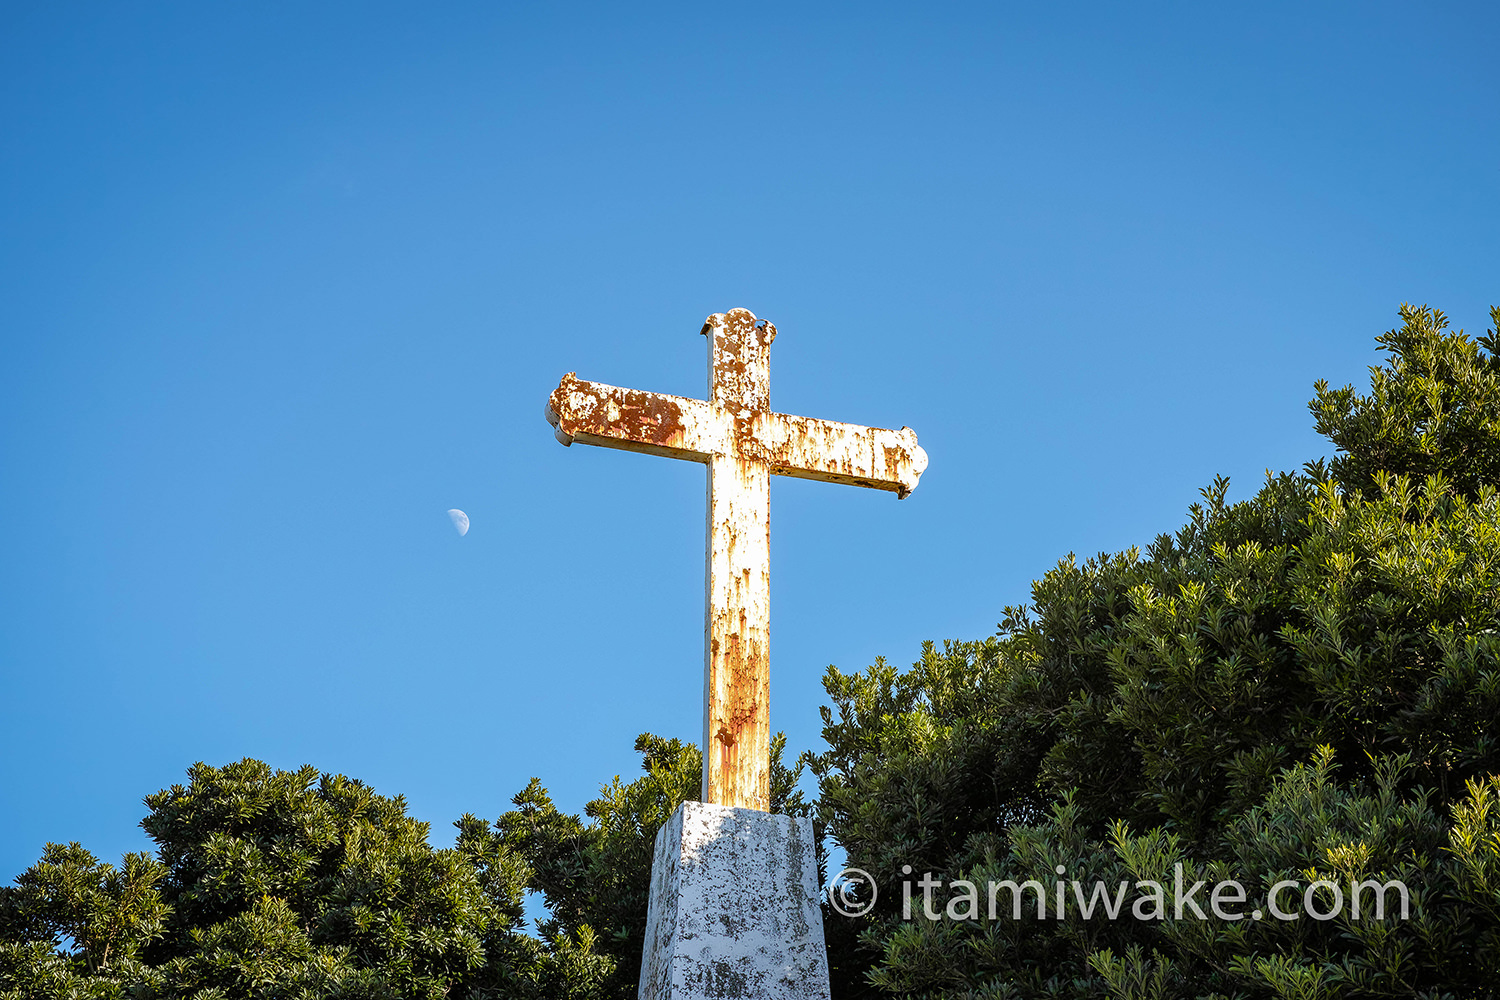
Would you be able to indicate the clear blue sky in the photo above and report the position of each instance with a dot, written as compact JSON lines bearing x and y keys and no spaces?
{"x":281,"y":283}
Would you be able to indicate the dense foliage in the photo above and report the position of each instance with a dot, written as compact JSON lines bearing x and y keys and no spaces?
{"x":300,"y":885}
{"x":279,"y":884}
{"x":1304,"y":685}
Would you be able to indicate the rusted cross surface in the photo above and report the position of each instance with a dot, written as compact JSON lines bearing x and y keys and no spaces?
{"x":743,"y":442}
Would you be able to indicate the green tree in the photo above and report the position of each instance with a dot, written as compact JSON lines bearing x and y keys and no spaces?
{"x":294,"y":884}
{"x":1304,"y":682}
{"x":1434,"y":408}
{"x":298,"y":884}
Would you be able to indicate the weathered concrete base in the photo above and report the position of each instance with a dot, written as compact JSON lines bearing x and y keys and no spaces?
{"x":734,"y":909}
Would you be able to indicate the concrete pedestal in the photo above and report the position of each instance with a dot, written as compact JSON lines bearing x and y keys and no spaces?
{"x":734,"y":909}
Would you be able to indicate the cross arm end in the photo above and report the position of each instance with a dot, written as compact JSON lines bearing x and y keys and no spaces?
{"x":553,"y":410}
{"x":916,"y":463}
{"x":628,"y":419}
{"x":833,"y":452}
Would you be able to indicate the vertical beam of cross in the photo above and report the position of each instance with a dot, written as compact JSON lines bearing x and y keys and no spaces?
{"x":743,"y":442}
{"x":737,"y":617}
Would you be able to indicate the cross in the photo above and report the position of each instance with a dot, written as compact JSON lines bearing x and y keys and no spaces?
{"x":742,"y":441}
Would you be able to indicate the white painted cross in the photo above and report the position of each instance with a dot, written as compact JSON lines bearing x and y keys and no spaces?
{"x":743,"y":442}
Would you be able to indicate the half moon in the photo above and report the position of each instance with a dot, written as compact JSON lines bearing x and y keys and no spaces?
{"x":460,"y":521}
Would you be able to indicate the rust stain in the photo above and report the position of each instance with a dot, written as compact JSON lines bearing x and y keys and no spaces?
{"x":744,"y":442}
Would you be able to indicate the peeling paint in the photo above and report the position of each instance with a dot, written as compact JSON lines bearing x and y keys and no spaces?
{"x":743,"y":442}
